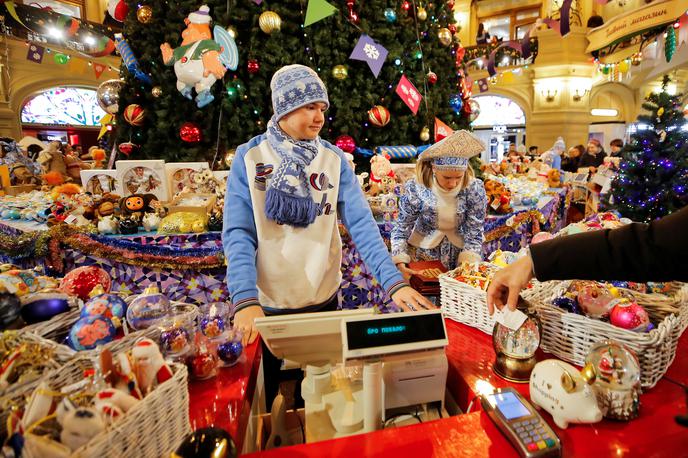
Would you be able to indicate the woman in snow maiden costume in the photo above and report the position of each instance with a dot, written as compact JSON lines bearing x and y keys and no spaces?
{"x":442,"y":211}
{"x":284,"y":193}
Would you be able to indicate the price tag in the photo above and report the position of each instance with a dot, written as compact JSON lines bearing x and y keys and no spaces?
{"x":512,"y":319}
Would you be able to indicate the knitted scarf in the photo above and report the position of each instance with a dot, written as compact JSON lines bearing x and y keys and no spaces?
{"x":288,"y":198}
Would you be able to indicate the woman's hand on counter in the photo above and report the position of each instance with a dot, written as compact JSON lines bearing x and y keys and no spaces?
{"x":244,"y":319}
{"x":408,"y":299}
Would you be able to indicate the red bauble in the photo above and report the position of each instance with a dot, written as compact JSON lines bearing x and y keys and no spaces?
{"x":450,"y":5}
{"x":253,"y":66}
{"x":346,"y":143}
{"x":203,"y":365}
{"x":126,"y":148}
{"x":406,"y":5}
{"x":432,"y":77}
{"x":378,"y":116}
{"x":81,"y":281}
{"x":190,"y":132}
{"x":452,"y":28}
{"x":629,"y":315}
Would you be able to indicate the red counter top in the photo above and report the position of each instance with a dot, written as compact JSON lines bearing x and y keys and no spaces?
{"x":225,"y":402}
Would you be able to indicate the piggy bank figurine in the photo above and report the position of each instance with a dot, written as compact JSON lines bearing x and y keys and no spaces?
{"x":564,"y":392}
{"x":107,"y":225}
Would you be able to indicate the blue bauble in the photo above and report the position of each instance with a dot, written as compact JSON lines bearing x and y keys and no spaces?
{"x":44,"y":308}
{"x":97,"y":305}
{"x":14,"y":214}
{"x":212,"y":326}
{"x":229,"y":352}
{"x":91,"y":331}
{"x":567,"y":303}
{"x":455,"y":103}
{"x":174,"y":340}
{"x":390,"y":15}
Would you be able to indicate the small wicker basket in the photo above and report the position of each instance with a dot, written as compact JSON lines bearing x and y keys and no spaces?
{"x":152,"y":429}
{"x":569,"y":336}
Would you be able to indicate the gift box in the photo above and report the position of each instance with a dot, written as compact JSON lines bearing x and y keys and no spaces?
{"x":427,"y":282}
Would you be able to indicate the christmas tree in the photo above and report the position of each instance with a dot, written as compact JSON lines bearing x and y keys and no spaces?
{"x":653,"y":177}
{"x":420,"y":41}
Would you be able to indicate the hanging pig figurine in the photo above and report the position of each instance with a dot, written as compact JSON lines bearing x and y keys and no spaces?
{"x":201,"y":60}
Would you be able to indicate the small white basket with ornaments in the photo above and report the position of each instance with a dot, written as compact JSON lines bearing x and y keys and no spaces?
{"x":569,"y":335}
{"x":134,"y":404}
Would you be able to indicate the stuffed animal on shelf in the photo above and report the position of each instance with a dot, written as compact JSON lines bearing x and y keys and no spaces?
{"x":22,"y":169}
{"x":107,"y":205}
{"x":136,"y":205}
{"x":379,"y":167}
{"x":63,"y":202}
{"x":75,"y":166}
{"x":52,"y":162}
{"x":498,"y":196}
{"x":554,"y":178}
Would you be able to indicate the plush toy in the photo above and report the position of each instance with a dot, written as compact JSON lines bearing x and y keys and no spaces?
{"x":63,"y":202}
{"x":119,"y":373}
{"x":74,"y":167}
{"x":112,"y":403}
{"x":22,"y":169}
{"x":498,"y":196}
{"x":106,"y":205}
{"x":136,"y":205}
{"x":554,"y":178}
{"x":379,"y":167}
{"x":151,"y":221}
{"x":52,"y":162}
{"x":151,"y":368}
{"x":200,"y":60}
{"x":79,"y":424}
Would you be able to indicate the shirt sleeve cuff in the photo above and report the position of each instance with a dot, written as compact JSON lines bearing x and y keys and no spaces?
{"x":395,"y":286}
{"x":244,"y":303}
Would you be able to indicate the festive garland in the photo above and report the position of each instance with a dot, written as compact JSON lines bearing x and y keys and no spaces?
{"x":49,"y":244}
{"x":519,"y":220}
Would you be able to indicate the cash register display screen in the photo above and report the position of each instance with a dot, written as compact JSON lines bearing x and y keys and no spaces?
{"x":509,"y":405}
{"x":394,"y":331}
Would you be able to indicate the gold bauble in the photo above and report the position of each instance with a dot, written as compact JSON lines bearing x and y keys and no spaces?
{"x":229,"y":157}
{"x":425,"y":134}
{"x":269,"y":21}
{"x":156,"y":91}
{"x":340,"y":72}
{"x":421,"y":14}
{"x":232,"y":31}
{"x":636,"y":59}
{"x":444,"y":36}
{"x":144,"y":14}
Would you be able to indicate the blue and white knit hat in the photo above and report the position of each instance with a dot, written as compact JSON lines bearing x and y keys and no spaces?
{"x":295,"y":86}
{"x":453,"y":152}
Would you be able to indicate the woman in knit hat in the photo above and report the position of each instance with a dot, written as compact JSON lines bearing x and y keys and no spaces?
{"x":286,"y":189}
{"x":442,"y":212}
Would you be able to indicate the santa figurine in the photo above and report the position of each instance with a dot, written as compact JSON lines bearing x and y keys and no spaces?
{"x":151,"y":368}
{"x":197,"y":62}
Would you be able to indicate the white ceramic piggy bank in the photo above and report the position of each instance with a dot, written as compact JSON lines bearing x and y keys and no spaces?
{"x":560,"y":389}
{"x":151,"y":221}
{"x":107,"y":225}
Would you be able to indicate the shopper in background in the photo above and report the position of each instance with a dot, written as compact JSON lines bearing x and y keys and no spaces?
{"x":482,"y":37}
{"x":569,"y":163}
{"x":594,"y":156}
{"x":615,"y":147}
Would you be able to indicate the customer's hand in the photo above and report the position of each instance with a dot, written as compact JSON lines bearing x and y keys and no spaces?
{"x":406,"y":272}
{"x":408,"y":299}
{"x":244,"y":320}
{"x":508,"y":283}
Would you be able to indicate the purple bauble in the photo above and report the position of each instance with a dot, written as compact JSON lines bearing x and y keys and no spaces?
{"x":91,"y":331}
{"x":174,"y":340}
{"x":44,"y":307}
{"x":229,"y":352}
{"x":212,"y":326}
{"x":567,"y":303}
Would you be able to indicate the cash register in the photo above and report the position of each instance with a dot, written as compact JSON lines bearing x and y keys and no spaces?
{"x":361,"y":368}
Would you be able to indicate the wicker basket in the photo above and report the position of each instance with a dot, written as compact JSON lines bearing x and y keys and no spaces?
{"x":152,"y":429}
{"x":569,"y":336}
{"x":468,"y":305}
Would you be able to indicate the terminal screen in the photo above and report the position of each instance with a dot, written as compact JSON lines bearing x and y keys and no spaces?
{"x":394,"y":331}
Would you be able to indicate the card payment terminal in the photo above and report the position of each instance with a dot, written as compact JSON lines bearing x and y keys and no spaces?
{"x":521,"y":424}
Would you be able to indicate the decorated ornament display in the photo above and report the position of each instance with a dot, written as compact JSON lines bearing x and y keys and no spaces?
{"x":174,"y":338}
{"x":134,"y":114}
{"x":102,"y":303}
{"x":90,"y":331}
{"x":269,"y":22}
{"x":82,"y":280}
{"x":203,"y":362}
{"x":379,"y":116}
{"x":340,"y":72}
{"x":594,"y":299}
{"x":432,"y":77}
{"x":127,"y":148}
{"x":445,"y":36}
{"x":425,"y":134}
{"x":230,"y":351}
{"x":190,"y":132}
{"x":214,"y":319}
{"x":118,"y":9}
{"x":156,"y":91}
{"x":346,"y":143}
{"x":200,"y":70}
{"x":617,"y":379}
{"x":390,"y":15}
{"x":629,"y":315}
{"x":206,"y":443}
{"x":148,"y":308}
{"x":144,"y":14}
{"x":253,"y":66}
{"x":107,"y":95}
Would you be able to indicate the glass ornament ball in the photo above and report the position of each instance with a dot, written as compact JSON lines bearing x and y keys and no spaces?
{"x":269,"y":22}
{"x":340,"y":72}
{"x":144,"y":14}
{"x":148,"y":308}
{"x":107,"y":95}
{"x":390,"y":15}
{"x":253,"y":66}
